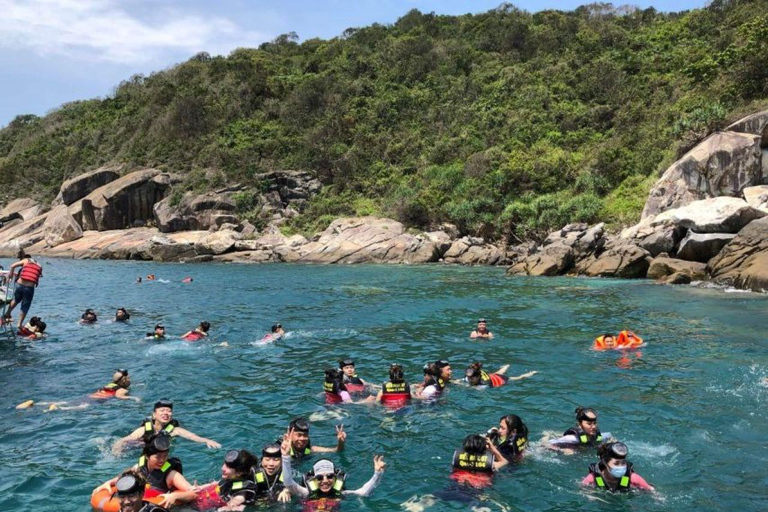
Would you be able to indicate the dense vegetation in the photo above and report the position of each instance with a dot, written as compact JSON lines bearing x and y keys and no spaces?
{"x":505,"y":123}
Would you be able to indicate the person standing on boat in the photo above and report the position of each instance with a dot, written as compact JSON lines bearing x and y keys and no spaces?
{"x":29,"y":278}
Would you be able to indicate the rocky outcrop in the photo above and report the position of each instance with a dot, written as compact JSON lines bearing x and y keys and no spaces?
{"x":715,"y":215}
{"x":21,"y":235}
{"x":619,"y":258}
{"x":743,"y":263}
{"x":468,"y":251}
{"x":60,"y":227}
{"x":757,"y":197}
{"x":80,"y":186}
{"x":196,"y":212}
{"x":556,"y":259}
{"x":293,"y":188}
{"x":663,"y":266}
{"x":22,"y":209}
{"x":702,"y":246}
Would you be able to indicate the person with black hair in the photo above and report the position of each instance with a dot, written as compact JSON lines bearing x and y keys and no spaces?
{"x":198,"y":333}
{"x":476,"y":376}
{"x":584,"y":435}
{"x":334,"y":387}
{"x":481,"y":331}
{"x":129,"y":492}
{"x":474,"y":464}
{"x":162,"y":420}
{"x":275,"y":334}
{"x":269,"y":475}
{"x":301,"y":445}
{"x":508,"y":442}
{"x":29,"y":278}
{"x":236,"y":489}
{"x":34,"y":330}
{"x":614,"y":472}
{"x":158,"y":333}
{"x":117,"y":388}
{"x":122,"y":315}
{"x":353,"y":383}
{"x":89,"y":317}
{"x":396,"y":392}
{"x":429,"y":388}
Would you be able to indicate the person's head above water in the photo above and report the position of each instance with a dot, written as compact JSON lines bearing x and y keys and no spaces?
{"x":299,"y":428}
{"x":511,"y":425}
{"x":482,"y":325}
{"x":271,"y":458}
{"x":324,"y":473}
{"x":474,"y":444}
{"x":609,"y":340}
{"x":586,"y":417}
{"x":613,"y":457}
{"x":163,"y":411}
{"x":334,"y":376}
{"x":445,"y":369}
{"x":277,"y":327}
{"x":129,"y":490}
{"x":238,"y":463}
{"x":156,"y":449}
{"x":41,"y":326}
{"x":205,"y":326}
{"x":396,"y":375}
{"x":473,"y":373}
{"x":122,"y":315}
{"x":431,"y":372}
{"x":347,"y":366}
{"x":121,"y":378}
{"x":159,"y":330}
{"x":89,"y":316}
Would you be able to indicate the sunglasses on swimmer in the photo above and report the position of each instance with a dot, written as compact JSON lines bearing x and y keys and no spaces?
{"x":327,"y":476}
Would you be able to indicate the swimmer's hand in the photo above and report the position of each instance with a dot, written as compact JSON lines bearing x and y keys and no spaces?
{"x":210,"y":443}
{"x":284,"y":496}
{"x":378,"y":463}
{"x":341,"y":436}
{"x":285,"y":444}
{"x":168,"y":500}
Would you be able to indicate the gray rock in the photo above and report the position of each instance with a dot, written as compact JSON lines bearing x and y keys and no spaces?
{"x":60,"y":227}
{"x":619,"y":258}
{"x":76,"y":188}
{"x":554,"y":259}
{"x":757,"y":197}
{"x":743,"y":263}
{"x":702,"y":247}
{"x":661,"y":267}
{"x":676,"y":278}
{"x":715,"y":215}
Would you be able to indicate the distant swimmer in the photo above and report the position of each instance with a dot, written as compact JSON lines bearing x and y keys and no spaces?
{"x":614,"y":472}
{"x":34,"y":330}
{"x":162,"y":420}
{"x":158,"y":333}
{"x":334,"y":387}
{"x":163,"y":474}
{"x":509,"y":441}
{"x":474,"y":464}
{"x":117,"y":388}
{"x":198,"y":333}
{"x":187,"y":280}
{"x":624,"y":340}
{"x":430,"y":388}
{"x":122,"y":315}
{"x":323,"y":487}
{"x":584,"y":434}
{"x":276,"y":333}
{"x":138,"y":280}
{"x":89,"y":317}
{"x":29,"y":278}
{"x":353,"y":383}
{"x":481,"y":331}
{"x":476,"y":376}
{"x":396,"y":392}
{"x":301,"y":445}
{"x":151,"y":277}
{"x":236,"y":489}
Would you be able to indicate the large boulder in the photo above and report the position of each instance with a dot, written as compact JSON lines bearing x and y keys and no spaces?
{"x":715,"y":215}
{"x":294,"y":188}
{"x":655,"y":237}
{"x":663,"y":266}
{"x":723,"y":164}
{"x":702,"y":247}
{"x":756,"y":124}
{"x":472,"y":251}
{"x":80,"y":186}
{"x":554,"y":259}
{"x":619,"y":258}
{"x":743,"y":263}
{"x":195,"y":212}
{"x":120,"y":203}
{"x":60,"y":227}
{"x":23,"y":208}
{"x":757,"y":197}
{"x":368,"y":240}
{"x":218,"y":242}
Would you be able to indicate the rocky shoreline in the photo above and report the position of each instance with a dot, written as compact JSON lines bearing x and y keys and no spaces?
{"x":706,"y":218}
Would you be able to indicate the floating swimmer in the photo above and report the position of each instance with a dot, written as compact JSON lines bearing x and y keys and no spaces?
{"x":187,"y":280}
{"x":117,"y":388}
{"x":158,"y":333}
{"x":396,"y":392}
{"x":162,"y":420}
{"x":509,"y":441}
{"x":34,"y":330}
{"x":323,"y":487}
{"x":476,"y":376}
{"x":122,"y":315}
{"x":353,"y":383}
{"x":276,"y":334}
{"x":432,"y":385}
{"x":474,"y":464}
{"x":585,"y":434}
{"x":127,"y":495}
{"x":334,"y":387}
{"x":236,"y":489}
{"x":89,"y":317}
{"x":481,"y":331}
{"x":301,"y":445}
{"x":614,"y":472}
{"x":198,"y":333}
{"x":624,"y":340}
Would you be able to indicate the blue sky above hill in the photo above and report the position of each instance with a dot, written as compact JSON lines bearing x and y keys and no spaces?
{"x":55,"y":51}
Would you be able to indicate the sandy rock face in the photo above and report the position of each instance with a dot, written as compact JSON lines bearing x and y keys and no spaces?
{"x":663,"y":266}
{"x":60,"y":227}
{"x":744,"y":261}
{"x":80,"y":186}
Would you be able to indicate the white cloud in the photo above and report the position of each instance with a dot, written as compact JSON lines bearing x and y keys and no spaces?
{"x":101,"y":30}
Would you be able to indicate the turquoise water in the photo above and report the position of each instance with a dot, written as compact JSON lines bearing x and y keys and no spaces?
{"x":691,"y":407}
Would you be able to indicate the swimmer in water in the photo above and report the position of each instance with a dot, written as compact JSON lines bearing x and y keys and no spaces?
{"x":89,"y":317}
{"x":334,"y":387}
{"x":585,"y":434}
{"x":476,"y":376}
{"x":301,"y":445}
{"x":474,"y":464}
{"x":351,"y":380}
{"x":276,"y":333}
{"x":236,"y":489}
{"x":163,"y":474}
{"x":138,"y":280}
{"x":325,"y":483}
{"x":396,"y":392}
{"x":429,"y":389}
{"x":269,"y":475}
{"x":614,"y":472}
{"x":117,"y":388}
{"x":122,"y":315}
{"x":162,"y":420}
{"x":158,"y":334}
{"x":34,"y":330}
{"x":129,"y":491}
{"x":508,"y":442}
{"x":199,"y":332}
{"x":481,"y":331}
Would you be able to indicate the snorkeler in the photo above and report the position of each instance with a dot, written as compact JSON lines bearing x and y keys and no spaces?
{"x":474,"y":464}
{"x":34,"y":330}
{"x":158,"y":334}
{"x":163,"y":474}
{"x":122,"y":315}
{"x":325,"y":483}
{"x":236,"y":489}
{"x":117,"y":388}
{"x":584,"y":434}
{"x":301,"y":445}
{"x":508,"y":442}
{"x":198,"y":333}
{"x":269,"y":475}
{"x":396,"y":392}
{"x":334,"y":387}
{"x":89,"y":317}
{"x":614,"y":472}
{"x":476,"y":376}
{"x":429,"y":388}
{"x":129,"y":492}
{"x":481,"y":331}
{"x":162,"y":420}
{"x":352,"y":382}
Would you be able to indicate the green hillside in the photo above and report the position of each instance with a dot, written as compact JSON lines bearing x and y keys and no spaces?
{"x":503,"y":123}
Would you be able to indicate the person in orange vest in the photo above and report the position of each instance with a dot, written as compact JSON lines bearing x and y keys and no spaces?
{"x":29,"y":277}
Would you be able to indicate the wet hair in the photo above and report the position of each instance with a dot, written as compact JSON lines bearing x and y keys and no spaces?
{"x":336,"y":376}
{"x":157,"y":443}
{"x":474,"y":444}
{"x":120,"y":376}
{"x":34,"y":321}
{"x":275,"y":327}
{"x":473,"y":373}
{"x":271,"y":450}
{"x":513,"y":422}
{"x":87,"y":313}
{"x":241,"y":461}
{"x":608,"y":335}
{"x":431,"y":373}
{"x":396,"y":373}
{"x":613,"y":450}
{"x":41,"y":326}
{"x":126,"y":315}
{"x":204,"y":326}
{"x":300,"y":424}
{"x":581,"y":413}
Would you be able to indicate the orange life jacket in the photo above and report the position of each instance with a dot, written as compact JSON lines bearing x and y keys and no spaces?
{"x":628,"y":339}
{"x":31,"y":272}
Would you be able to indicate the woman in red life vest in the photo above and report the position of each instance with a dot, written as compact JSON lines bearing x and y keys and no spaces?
{"x":198,"y":332}
{"x":396,"y":393}
{"x":118,"y":388}
{"x":476,"y":376}
{"x":29,"y":277}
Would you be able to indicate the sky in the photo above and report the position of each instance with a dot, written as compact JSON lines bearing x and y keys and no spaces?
{"x":56,"y":51}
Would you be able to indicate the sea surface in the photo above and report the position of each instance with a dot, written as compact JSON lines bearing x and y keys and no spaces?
{"x":691,"y":404}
